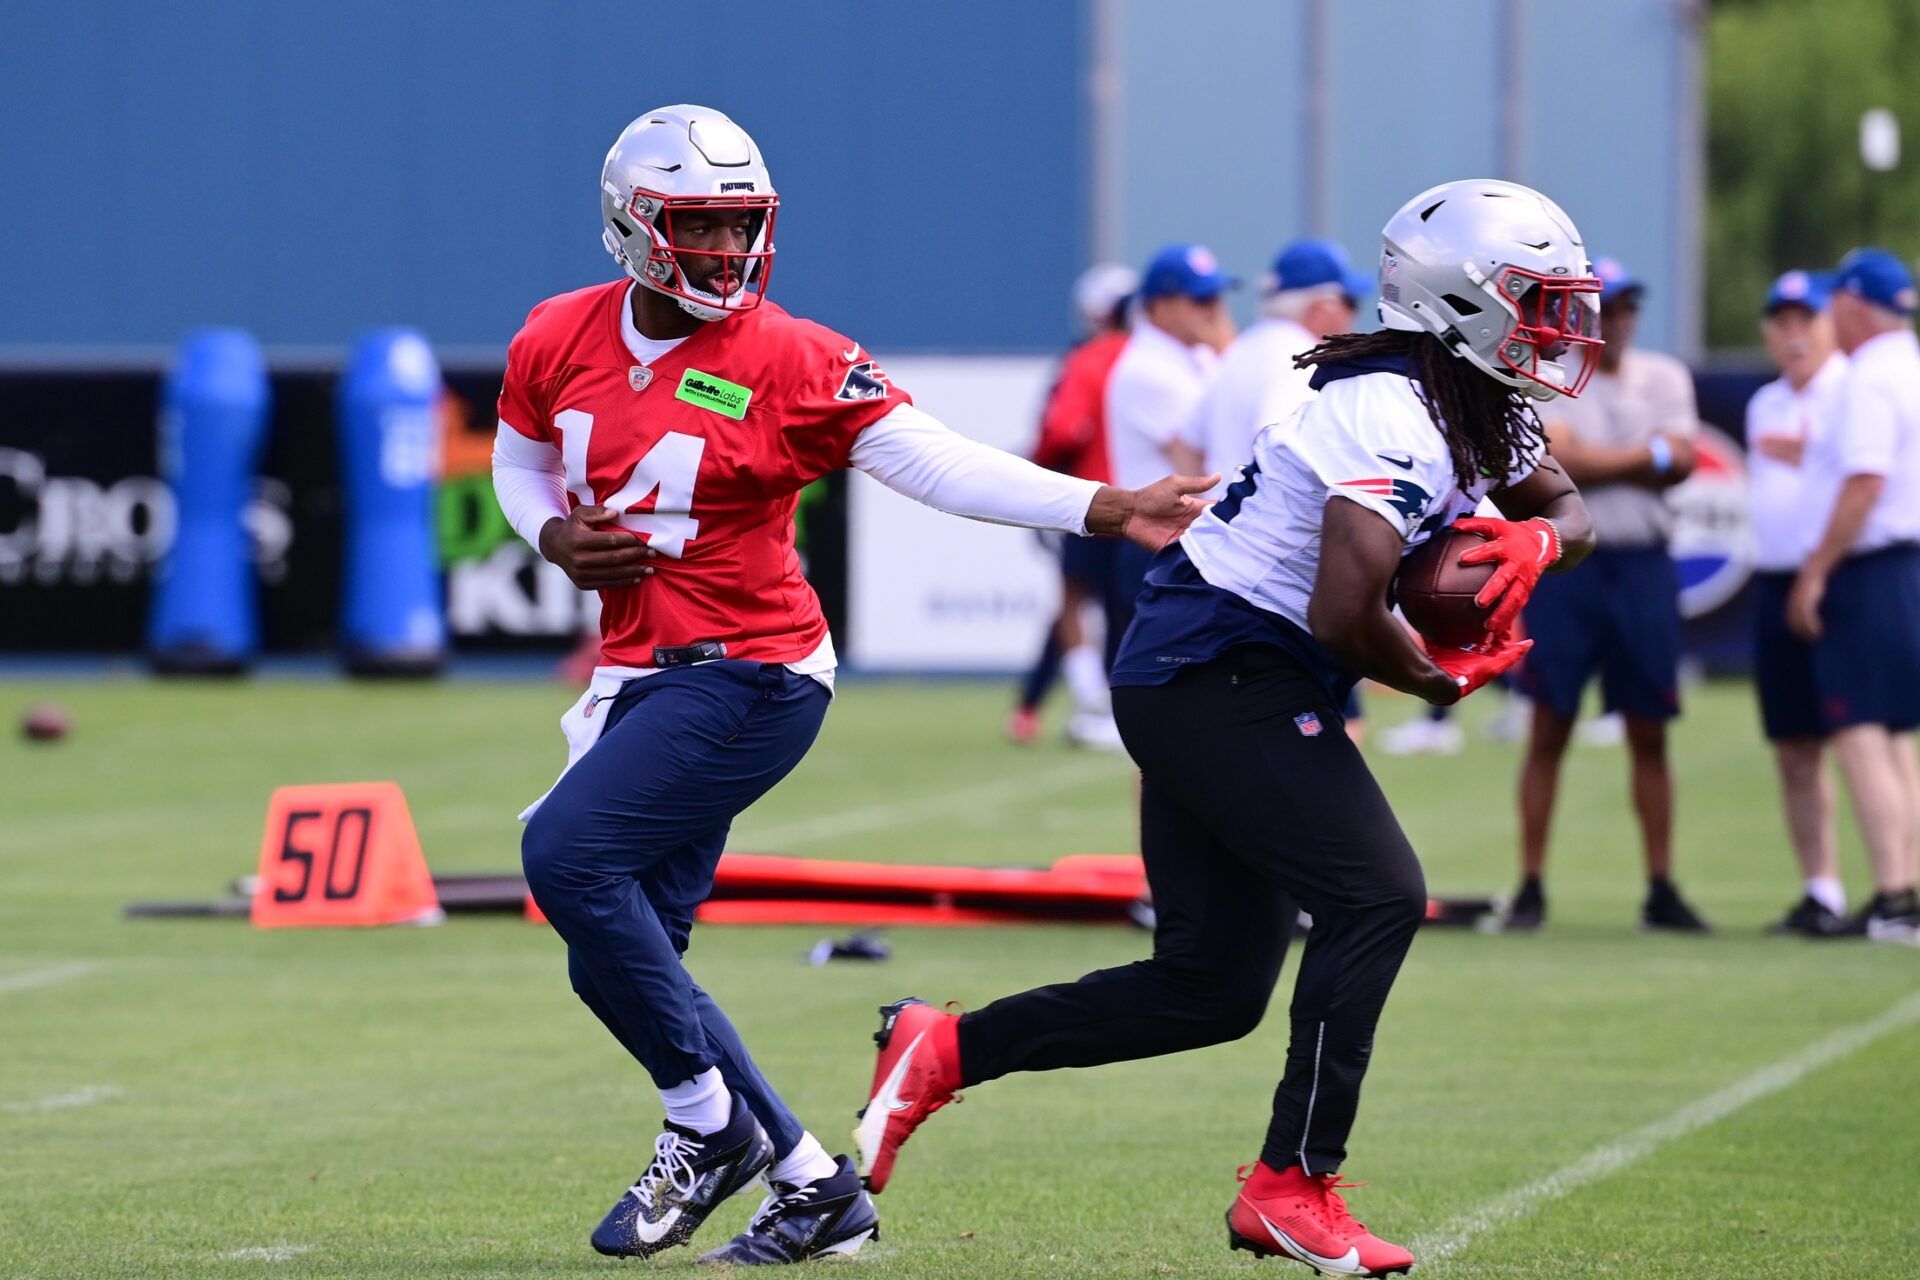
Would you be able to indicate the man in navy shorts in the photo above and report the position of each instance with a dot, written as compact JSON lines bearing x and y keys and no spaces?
{"x":1784,"y":420}
{"x":1625,"y":442}
{"x":1857,"y":598}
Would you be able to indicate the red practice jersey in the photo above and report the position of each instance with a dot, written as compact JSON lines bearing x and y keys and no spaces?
{"x":1073,"y":429}
{"x":706,"y":451}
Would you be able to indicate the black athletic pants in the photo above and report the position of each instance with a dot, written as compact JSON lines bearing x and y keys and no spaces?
{"x":1245,"y":810}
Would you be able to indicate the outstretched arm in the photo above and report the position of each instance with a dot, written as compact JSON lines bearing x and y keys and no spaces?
{"x":913,"y":453}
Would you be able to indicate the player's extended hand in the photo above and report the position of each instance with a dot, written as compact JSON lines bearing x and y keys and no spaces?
{"x":1803,"y":604}
{"x":596,"y":553}
{"x":1153,"y":516}
{"x":1473,"y":667}
{"x":1523,"y":550}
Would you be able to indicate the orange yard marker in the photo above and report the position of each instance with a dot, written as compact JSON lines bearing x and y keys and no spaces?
{"x":342,"y":854}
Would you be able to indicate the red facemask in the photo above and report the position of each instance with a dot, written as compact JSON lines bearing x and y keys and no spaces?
{"x":1559,"y":317}
{"x":740,"y":281}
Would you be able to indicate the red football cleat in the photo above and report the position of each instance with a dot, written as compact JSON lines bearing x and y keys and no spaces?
{"x":1292,"y":1214}
{"x":916,"y":1074}
{"x":1023,"y":726}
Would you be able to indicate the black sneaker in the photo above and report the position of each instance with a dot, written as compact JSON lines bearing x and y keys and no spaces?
{"x":1528,"y":910}
{"x":690,"y":1175}
{"x":1892,"y":917}
{"x":1809,"y":918}
{"x":1666,"y":911}
{"x":805,"y":1220}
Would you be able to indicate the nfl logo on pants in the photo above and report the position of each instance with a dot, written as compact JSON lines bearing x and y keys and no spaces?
{"x":1308,"y":724}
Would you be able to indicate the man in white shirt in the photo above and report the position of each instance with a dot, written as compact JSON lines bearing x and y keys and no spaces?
{"x":1180,"y":327}
{"x":1625,"y":442}
{"x":1313,"y":291}
{"x":1857,"y":597}
{"x":1784,"y":419}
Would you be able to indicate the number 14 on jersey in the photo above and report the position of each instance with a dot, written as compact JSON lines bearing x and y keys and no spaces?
{"x":669,"y":470}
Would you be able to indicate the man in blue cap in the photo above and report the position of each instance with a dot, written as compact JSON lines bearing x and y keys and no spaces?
{"x":1857,"y":597}
{"x":1312,"y":292}
{"x":1625,"y":442}
{"x":1784,"y":420}
{"x":1180,"y":327}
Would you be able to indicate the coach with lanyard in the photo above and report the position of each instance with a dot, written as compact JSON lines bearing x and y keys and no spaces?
{"x":1625,"y":443}
{"x":1857,"y":598}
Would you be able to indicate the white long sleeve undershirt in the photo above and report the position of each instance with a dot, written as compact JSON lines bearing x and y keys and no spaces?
{"x":909,"y":450}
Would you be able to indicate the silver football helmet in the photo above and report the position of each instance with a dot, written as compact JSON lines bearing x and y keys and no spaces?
{"x":1497,"y":272}
{"x":665,"y":163}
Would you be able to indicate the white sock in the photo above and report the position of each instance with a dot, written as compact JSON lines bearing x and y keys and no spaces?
{"x":701,"y":1104}
{"x":807,"y":1162}
{"x":1086,"y":671}
{"x":1829,"y":893}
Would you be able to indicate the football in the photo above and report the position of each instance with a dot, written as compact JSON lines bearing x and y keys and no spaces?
{"x":1435,"y":591}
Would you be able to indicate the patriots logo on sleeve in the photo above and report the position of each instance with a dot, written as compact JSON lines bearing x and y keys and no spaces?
{"x":1403,"y":495}
{"x":864,"y":381}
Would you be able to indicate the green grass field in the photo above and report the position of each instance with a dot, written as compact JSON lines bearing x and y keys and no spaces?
{"x":193,"y":1098}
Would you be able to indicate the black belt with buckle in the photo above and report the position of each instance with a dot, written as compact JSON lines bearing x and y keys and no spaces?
{"x":686,"y":655}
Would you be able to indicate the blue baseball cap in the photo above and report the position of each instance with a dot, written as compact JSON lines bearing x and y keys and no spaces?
{"x":1617,"y":284}
{"x":1189,"y":270}
{"x":1879,"y":277}
{"x":1798,"y":289}
{"x":1307,"y":263}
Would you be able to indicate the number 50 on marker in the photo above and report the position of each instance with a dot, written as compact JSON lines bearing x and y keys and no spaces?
{"x":341,"y":855}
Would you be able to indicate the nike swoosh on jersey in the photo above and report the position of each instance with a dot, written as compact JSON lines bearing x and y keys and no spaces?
{"x":653,"y":1232}
{"x":1348,"y":1261}
{"x":1404,"y":461}
{"x":851,"y":354}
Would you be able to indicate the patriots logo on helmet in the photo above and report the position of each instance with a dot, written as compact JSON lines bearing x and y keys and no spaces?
{"x":1404,"y":496}
{"x":864,"y":381}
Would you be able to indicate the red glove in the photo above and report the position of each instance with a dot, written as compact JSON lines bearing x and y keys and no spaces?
{"x":1474,"y":667}
{"x":1524,"y":549}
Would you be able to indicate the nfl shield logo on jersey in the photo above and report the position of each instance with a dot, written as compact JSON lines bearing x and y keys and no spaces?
{"x":1308,"y":724}
{"x":639,"y":376}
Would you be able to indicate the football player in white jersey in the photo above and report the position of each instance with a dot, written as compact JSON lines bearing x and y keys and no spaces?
{"x":1227,"y":691}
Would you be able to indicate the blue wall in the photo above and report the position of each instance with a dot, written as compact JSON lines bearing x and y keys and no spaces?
{"x":311,"y":170}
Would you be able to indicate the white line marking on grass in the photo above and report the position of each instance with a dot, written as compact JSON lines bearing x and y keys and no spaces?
{"x":85,"y":1096}
{"x":1614,"y":1156}
{"x":266,"y":1253}
{"x":899,"y":813}
{"x":34,"y":979}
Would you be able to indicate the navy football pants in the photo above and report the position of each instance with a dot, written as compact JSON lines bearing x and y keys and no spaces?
{"x":623,"y":851}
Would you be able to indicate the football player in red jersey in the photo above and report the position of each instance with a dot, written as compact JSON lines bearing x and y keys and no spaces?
{"x":654,"y":436}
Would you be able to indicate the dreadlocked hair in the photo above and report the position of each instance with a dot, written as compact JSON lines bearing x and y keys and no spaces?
{"x":1488,"y":427}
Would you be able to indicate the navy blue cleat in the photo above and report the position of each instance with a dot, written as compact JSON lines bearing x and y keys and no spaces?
{"x":805,"y":1220}
{"x":690,"y":1175}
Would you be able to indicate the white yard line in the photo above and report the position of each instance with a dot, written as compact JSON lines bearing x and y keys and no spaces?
{"x":85,"y":1096}
{"x":1614,"y":1156}
{"x":52,"y":975}
{"x":939,"y":804}
{"x":266,"y":1253}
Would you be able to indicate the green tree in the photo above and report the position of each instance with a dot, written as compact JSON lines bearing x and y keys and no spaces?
{"x":1787,"y":82}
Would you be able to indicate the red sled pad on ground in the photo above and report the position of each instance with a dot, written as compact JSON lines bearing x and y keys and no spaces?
{"x":756,"y":888}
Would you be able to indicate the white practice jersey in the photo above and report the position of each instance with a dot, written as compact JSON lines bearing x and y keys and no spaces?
{"x":1784,"y":429}
{"x":1876,"y":431}
{"x":1367,"y":438}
